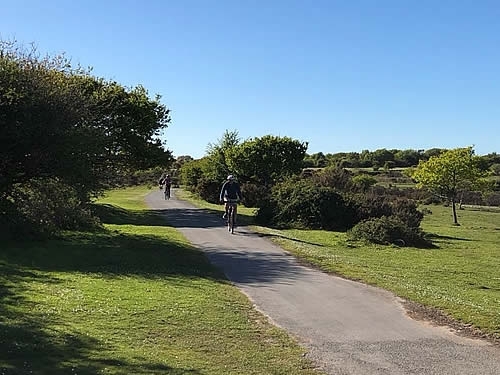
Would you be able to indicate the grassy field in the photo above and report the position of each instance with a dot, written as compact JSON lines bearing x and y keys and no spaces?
{"x":133,"y":299}
{"x":459,"y":281}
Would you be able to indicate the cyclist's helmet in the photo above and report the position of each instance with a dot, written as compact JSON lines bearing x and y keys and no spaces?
{"x":230,"y":177}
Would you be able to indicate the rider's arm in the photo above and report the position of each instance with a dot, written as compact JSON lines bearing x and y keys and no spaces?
{"x":224,"y":187}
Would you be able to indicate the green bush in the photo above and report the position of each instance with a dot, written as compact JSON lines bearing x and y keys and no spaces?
{"x":208,"y":189}
{"x":304,"y":204}
{"x":254,"y":195}
{"x":492,"y":199}
{"x":42,"y":207}
{"x":388,"y":230}
{"x":369,"y":206}
{"x":406,"y":211}
{"x":335,"y":177}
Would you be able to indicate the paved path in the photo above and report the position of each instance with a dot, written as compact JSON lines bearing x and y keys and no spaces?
{"x":347,"y":327}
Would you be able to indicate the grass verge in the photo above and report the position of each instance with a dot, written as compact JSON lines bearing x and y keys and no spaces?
{"x":133,"y":299}
{"x":458,"y":283}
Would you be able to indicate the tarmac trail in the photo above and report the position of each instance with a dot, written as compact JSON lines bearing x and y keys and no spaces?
{"x":347,"y":327}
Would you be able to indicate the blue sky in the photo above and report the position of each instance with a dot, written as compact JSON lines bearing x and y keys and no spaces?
{"x":342,"y":75}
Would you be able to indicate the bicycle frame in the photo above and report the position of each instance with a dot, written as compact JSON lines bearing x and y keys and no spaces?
{"x":231,"y":209}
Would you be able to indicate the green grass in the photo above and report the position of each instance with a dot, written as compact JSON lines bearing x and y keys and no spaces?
{"x":133,"y":299}
{"x":460,"y":278}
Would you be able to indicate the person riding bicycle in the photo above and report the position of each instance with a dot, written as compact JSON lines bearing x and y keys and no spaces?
{"x":230,"y":193}
{"x":168,"y":183}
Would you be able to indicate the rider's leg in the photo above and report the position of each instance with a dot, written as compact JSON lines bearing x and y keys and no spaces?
{"x":226,"y":206}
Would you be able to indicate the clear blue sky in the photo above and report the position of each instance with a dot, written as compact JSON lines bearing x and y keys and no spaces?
{"x":342,"y":75}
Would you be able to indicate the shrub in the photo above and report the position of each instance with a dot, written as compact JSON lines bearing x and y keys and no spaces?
{"x":492,"y":199}
{"x":334,"y":177}
{"x":364,"y":181}
{"x":42,"y":207}
{"x":369,"y":206}
{"x":388,"y":230}
{"x":208,"y":189}
{"x":302,"y":203}
{"x":254,"y":195}
{"x":406,"y":211}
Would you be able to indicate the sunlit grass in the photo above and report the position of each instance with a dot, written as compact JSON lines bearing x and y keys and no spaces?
{"x":136,"y":298}
{"x":461,"y":277}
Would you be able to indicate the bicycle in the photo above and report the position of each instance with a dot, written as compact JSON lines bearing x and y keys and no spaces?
{"x":231,"y":216}
{"x":167,"y":192}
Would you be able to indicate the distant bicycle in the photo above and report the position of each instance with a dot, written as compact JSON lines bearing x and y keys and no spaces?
{"x":167,"y":192}
{"x":231,"y":216}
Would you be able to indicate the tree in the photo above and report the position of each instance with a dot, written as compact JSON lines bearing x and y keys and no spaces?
{"x":268,"y":159}
{"x":447,"y":173}
{"x":427,"y":154}
{"x":381,"y":156}
{"x":219,"y":155}
{"x":60,"y":122}
{"x":407,"y":158}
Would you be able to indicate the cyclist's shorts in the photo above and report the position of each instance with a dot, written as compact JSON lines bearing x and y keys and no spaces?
{"x":231,"y":201}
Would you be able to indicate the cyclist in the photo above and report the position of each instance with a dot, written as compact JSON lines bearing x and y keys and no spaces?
{"x":168,"y":183}
{"x":230,"y":193}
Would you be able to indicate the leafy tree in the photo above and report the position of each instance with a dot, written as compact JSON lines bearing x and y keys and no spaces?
{"x":192,"y":172}
{"x":447,"y":173}
{"x":432,"y":152}
{"x":68,"y":129}
{"x":219,"y":156}
{"x":495,"y":169}
{"x":181,"y":160}
{"x":268,"y":159}
{"x":407,"y":158}
{"x":381,"y":156}
{"x":485,"y":162}
{"x":59,"y":121}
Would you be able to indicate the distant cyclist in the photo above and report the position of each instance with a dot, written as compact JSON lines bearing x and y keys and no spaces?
{"x":230,"y":193}
{"x":168,"y":183}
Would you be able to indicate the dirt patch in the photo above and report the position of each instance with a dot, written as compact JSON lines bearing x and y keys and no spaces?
{"x":434,"y":316}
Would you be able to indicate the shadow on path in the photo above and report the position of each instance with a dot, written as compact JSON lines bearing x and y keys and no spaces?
{"x":193,"y":218}
{"x":255,"y":266}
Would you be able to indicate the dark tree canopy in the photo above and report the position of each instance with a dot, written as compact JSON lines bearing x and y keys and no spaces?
{"x":60,"y":121}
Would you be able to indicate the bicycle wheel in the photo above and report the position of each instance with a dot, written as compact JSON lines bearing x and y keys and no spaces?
{"x":230,"y":219}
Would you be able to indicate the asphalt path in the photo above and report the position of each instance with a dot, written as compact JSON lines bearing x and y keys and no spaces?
{"x":347,"y":327}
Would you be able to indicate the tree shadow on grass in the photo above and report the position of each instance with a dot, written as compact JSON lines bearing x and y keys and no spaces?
{"x":29,"y":346}
{"x":438,"y":237}
{"x":27,"y":343}
{"x":281,"y":236}
{"x":110,"y":214}
{"x":112,"y":254}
